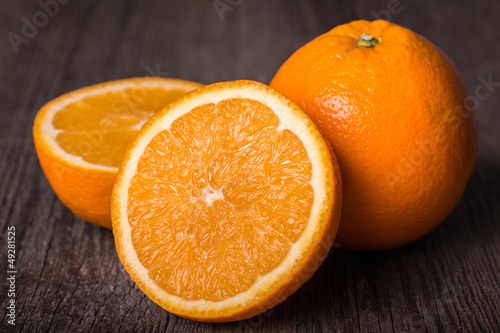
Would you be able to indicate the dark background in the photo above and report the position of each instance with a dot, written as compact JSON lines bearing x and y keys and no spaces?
{"x":69,"y":276}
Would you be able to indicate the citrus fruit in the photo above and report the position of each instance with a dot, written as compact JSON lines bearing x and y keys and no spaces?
{"x":226,"y":202}
{"x":396,"y":112}
{"x":80,"y":138}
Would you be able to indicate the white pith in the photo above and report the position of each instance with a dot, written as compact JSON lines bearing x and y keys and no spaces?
{"x":209,"y":195}
{"x":288,"y":120}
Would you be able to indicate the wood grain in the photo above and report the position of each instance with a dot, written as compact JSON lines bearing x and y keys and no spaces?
{"x":69,"y":276}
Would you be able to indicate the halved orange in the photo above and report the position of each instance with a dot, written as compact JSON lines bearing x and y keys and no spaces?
{"x":81,"y":137}
{"x":226,"y":202}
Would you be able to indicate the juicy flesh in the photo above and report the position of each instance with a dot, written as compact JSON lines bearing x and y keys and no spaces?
{"x":99,"y":128}
{"x":218,"y":199}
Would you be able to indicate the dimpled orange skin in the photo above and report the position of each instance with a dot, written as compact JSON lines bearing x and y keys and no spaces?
{"x":400,"y":124}
{"x":86,"y":192}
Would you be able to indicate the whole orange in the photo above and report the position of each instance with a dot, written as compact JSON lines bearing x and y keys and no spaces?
{"x":397,"y":114}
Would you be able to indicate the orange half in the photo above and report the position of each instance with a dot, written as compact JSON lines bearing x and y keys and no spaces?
{"x":81,"y":137}
{"x":226,"y":202}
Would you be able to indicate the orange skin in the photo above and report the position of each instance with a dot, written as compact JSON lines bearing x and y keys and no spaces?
{"x":398,"y":120}
{"x":86,"y":192}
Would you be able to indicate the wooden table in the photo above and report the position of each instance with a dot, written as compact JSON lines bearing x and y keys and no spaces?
{"x":69,"y":278}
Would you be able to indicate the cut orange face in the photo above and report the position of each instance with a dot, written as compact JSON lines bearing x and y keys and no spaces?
{"x":226,"y":202}
{"x":81,"y":137}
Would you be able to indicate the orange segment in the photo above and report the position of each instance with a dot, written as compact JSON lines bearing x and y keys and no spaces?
{"x":81,"y":138}
{"x":98,"y":128}
{"x":221,"y":199}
